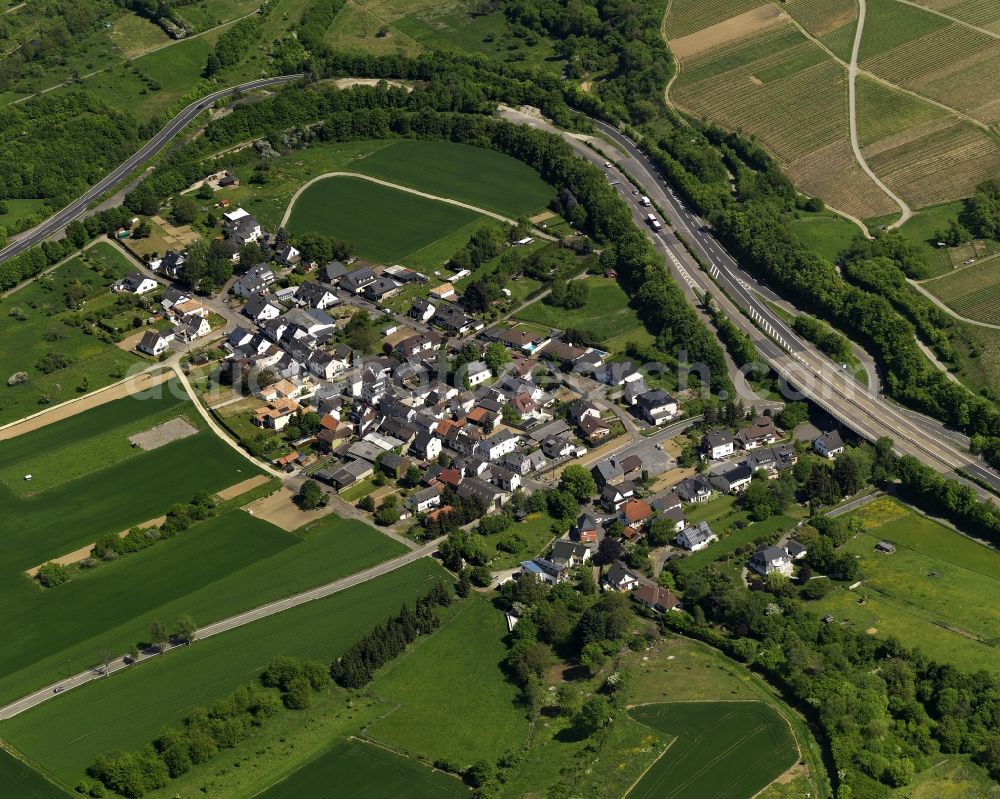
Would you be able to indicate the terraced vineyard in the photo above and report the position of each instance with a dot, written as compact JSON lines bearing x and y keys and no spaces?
{"x":923,"y":153}
{"x":760,"y":73}
{"x":973,"y":291}
{"x":690,"y":16}
{"x":981,"y":13}
{"x":778,"y":85}
{"x":946,"y":61}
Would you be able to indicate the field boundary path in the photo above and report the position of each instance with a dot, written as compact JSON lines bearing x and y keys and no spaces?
{"x":409,"y":190}
{"x":940,"y":304}
{"x":123,"y":388}
{"x":852,"y":112}
{"x":231,"y":623}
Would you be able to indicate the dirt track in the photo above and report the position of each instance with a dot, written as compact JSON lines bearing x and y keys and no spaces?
{"x":75,"y":406}
{"x":280,"y":510}
{"x":242,"y":487}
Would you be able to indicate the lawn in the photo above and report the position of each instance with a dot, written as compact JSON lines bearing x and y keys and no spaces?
{"x":827,"y":234}
{"x":726,"y":750}
{"x":385,"y":224}
{"x":480,"y":177}
{"x":128,"y":709}
{"x":606,"y":314}
{"x":18,"y":780}
{"x":362,"y":771}
{"x":929,"y":593}
{"x":536,"y":529}
{"x":18,"y":210}
{"x":454,"y":701}
{"x":34,"y":321}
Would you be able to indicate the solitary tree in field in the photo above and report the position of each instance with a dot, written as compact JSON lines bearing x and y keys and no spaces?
{"x":311,"y":495}
{"x":158,"y":635}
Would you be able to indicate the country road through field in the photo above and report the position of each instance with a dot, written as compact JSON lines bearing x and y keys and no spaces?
{"x":118,"y":664}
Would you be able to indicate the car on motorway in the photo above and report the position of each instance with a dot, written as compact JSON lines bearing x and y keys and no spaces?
{"x":607,"y":165}
{"x":58,"y":689}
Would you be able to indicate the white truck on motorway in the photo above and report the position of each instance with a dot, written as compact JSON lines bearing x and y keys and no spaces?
{"x":645,"y":201}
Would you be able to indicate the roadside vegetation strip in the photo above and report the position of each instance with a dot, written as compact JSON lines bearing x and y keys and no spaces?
{"x":385,"y":223}
{"x":723,"y":749}
{"x":127,"y":710}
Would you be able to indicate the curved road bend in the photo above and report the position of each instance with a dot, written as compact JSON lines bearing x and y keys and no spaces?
{"x":60,"y":219}
{"x":796,"y":360}
{"x":279,"y":606}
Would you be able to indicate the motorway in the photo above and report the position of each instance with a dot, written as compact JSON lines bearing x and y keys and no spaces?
{"x":59,"y":220}
{"x":804,"y":370}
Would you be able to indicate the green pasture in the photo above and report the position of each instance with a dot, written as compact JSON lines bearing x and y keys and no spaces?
{"x":209,"y":13}
{"x":71,"y":459}
{"x":457,"y":28}
{"x":726,"y":750}
{"x":454,"y":702}
{"x":128,"y":709}
{"x":605,"y":315}
{"x":33,"y":321}
{"x":385,"y":224}
{"x":363,"y":771}
{"x":929,"y":592}
{"x":480,"y":177}
{"x":213,"y":570}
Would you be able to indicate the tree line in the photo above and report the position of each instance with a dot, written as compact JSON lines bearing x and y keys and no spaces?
{"x":357,"y":666}
{"x":206,"y":732}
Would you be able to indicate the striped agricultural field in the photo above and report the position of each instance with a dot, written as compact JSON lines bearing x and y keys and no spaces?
{"x":981,"y":13}
{"x":923,"y":153}
{"x":782,"y":88}
{"x":972,"y":291}
{"x":690,"y":16}
{"x":945,"y":61}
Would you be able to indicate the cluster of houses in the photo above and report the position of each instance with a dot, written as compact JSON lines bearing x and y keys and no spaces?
{"x":761,"y":433}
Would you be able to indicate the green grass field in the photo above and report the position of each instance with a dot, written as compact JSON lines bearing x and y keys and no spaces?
{"x":480,"y":177}
{"x":128,"y":709}
{"x":457,"y":667}
{"x":18,"y":210}
{"x":606,"y":314}
{"x":929,"y":593}
{"x":826,"y":234}
{"x":727,"y":750}
{"x":385,"y":225}
{"x":363,"y":771}
{"x":33,"y":322}
{"x":455,"y":26}
{"x":71,"y":459}
{"x":19,"y":780}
